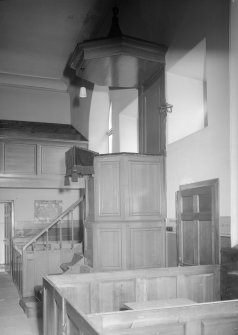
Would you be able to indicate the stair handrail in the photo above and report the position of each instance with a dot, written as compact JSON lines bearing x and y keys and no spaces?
{"x":55,"y":221}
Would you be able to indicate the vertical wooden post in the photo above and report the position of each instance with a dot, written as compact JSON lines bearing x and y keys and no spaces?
{"x":45,"y":320}
{"x":72,"y":228}
{"x":60,"y":227}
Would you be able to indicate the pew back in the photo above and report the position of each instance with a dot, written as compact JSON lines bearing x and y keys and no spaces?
{"x":106,"y":292}
{"x":198,"y":319}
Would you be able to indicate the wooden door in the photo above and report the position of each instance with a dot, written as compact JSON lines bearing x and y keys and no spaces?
{"x":152,"y":124}
{"x":198,"y":223}
{"x":8,"y":231}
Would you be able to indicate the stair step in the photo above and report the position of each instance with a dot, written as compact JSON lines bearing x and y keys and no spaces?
{"x":76,"y":258}
{"x":31,"y":306}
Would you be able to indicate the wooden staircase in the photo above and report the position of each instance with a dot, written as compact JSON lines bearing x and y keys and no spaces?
{"x":45,"y":252}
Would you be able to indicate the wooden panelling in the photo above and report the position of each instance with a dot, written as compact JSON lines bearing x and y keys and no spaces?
{"x":53,"y":261}
{"x":144,"y":191}
{"x":76,"y":323}
{"x":88,"y":246}
{"x":171,"y":249}
{"x":38,"y":163}
{"x":220,"y":326}
{"x":129,"y":206}
{"x":79,"y":296}
{"x":20,"y":158}
{"x":107,"y":179}
{"x":125,"y":245}
{"x":200,"y":319}
{"x":109,"y":248}
{"x":114,"y":294}
{"x":199,"y":284}
{"x":206,"y":242}
{"x":1,"y":157}
{"x":190,"y":248}
{"x":146,"y":247}
{"x":53,"y":159}
{"x":37,"y":264}
{"x":129,"y":186}
{"x":28,"y":275}
{"x":49,"y":311}
{"x":59,"y":315}
{"x":162,"y":288}
{"x":39,"y":181}
{"x":198,"y":288}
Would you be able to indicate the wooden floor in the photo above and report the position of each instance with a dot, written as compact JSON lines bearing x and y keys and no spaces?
{"x":12,"y":318}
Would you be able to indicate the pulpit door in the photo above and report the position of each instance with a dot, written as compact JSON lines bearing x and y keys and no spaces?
{"x":198,"y":223}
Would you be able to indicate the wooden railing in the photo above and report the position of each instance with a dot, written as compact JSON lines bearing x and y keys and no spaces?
{"x":41,"y":256}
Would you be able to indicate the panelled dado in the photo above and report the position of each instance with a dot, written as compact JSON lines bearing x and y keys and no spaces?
{"x":125,"y":228}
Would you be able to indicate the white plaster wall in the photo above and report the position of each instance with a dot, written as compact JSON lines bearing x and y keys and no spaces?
{"x":186,"y":96}
{"x":80,"y":108}
{"x":205,"y":154}
{"x":24,"y":200}
{"x":128,"y":125}
{"x":34,"y":104}
{"x":234,"y":119}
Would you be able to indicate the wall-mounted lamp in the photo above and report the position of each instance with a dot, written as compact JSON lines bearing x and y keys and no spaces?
{"x":166,"y":108}
{"x":82,"y":90}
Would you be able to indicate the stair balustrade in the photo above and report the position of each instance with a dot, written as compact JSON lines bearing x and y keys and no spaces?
{"x":46,"y":251}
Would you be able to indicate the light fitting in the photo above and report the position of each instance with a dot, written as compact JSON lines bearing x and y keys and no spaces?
{"x":82,"y":92}
{"x":166,"y":108}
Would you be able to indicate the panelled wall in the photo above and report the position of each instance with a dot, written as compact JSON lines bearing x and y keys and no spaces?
{"x":33,"y":163}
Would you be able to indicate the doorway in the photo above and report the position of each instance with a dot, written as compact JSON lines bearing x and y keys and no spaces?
{"x":198,"y":223}
{"x":6,"y":232}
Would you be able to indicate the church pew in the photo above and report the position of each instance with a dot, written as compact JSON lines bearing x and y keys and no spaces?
{"x":106,"y":292}
{"x":213,"y":318}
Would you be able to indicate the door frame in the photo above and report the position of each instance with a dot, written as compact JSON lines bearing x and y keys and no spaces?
{"x":214,"y":185}
{"x":12,"y":230}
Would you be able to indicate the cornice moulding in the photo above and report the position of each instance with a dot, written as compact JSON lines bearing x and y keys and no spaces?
{"x":22,"y":81}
